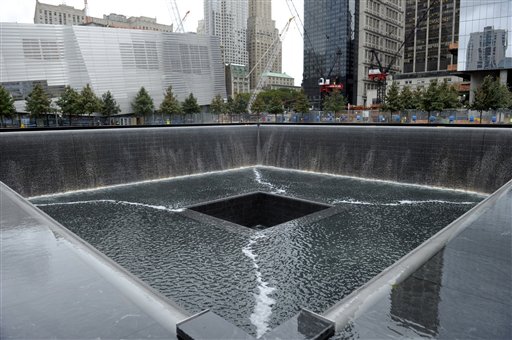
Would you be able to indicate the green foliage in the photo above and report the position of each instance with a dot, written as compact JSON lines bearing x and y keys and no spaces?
{"x":109,"y":105}
{"x":407,"y":100}
{"x":259,"y":104}
{"x":301,"y":103}
{"x":142,"y":104}
{"x":432,"y":99}
{"x":392,"y":100}
{"x":287,"y":97}
{"x":69,"y":102}
{"x":38,"y":102}
{"x":6,"y":104}
{"x":491,"y":95}
{"x":89,"y":102}
{"x":217,"y":105}
{"x":170,"y":105}
{"x":449,"y":95}
{"x":417,"y":99}
{"x":275,"y":106}
{"x":190,"y":105}
{"x":335,"y":102}
{"x":240,"y":103}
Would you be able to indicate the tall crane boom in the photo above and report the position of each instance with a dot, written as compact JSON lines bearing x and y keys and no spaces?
{"x":380,"y":73}
{"x":274,"y":49}
{"x":177,"y":17}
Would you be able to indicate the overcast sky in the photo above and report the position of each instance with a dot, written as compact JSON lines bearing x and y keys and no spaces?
{"x":23,"y":11}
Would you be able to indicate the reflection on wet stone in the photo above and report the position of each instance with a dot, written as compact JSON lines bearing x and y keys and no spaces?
{"x":415,"y":301}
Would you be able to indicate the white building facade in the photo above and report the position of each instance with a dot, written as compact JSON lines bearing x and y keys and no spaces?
{"x":110,"y":59}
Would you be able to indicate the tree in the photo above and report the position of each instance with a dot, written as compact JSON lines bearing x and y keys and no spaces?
{"x":417,"y":99}
{"x":335,"y":102}
{"x":407,"y":99}
{"x":449,"y":95}
{"x":287,"y":97}
{"x":217,"y":106}
{"x":109,"y":106}
{"x":259,"y":105}
{"x":432,"y":100}
{"x":69,"y":102}
{"x":301,"y":103}
{"x":142,"y":104}
{"x":6,"y":104}
{"x":491,"y":95}
{"x":89,"y":102}
{"x":240,"y":102}
{"x":230,"y":105}
{"x":170,"y":105}
{"x":275,"y":106}
{"x":38,"y":103}
{"x":392,"y":101}
{"x":190,"y":105}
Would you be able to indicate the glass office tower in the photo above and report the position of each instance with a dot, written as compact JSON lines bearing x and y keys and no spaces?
{"x":330,"y":40}
{"x":427,"y":50}
{"x":485,"y":38}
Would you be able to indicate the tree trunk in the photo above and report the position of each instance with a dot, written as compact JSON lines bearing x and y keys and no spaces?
{"x":480,"y":116}
{"x":70,"y":120}
{"x":47,"y":121}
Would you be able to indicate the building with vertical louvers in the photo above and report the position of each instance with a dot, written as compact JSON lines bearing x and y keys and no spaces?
{"x":109,"y":59}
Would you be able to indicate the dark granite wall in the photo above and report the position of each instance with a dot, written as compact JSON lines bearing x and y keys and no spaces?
{"x":477,"y":159}
{"x":35,"y":163}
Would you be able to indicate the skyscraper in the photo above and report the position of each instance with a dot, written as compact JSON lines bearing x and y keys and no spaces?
{"x":329,"y":39}
{"x":227,"y":19}
{"x":485,"y":38}
{"x":338,"y":40}
{"x":380,"y":27}
{"x":261,"y":34}
{"x":428,"y":49}
{"x":486,"y":50}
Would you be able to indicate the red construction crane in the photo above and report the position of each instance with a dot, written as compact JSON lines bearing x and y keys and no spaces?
{"x":379,"y":73}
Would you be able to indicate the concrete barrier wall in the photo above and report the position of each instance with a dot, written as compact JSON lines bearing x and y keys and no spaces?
{"x":36,"y":163}
{"x":477,"y":159}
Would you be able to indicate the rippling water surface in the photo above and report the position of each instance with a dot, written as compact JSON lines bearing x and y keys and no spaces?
{"x":257,"y":281}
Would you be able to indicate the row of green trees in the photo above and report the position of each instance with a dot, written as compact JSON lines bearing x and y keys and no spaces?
{"x":143,"y":104}
{"x":275,"y":101}
{"x":436,"y":97}
{"x":491,"y":95}
{"x":71,"y":103}
{"x":85,"y":102}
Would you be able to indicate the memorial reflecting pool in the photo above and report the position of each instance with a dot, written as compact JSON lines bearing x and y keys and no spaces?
{"x":257,"y":278}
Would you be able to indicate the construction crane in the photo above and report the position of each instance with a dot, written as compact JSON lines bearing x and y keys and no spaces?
{"x":178,"y":21}
{"x":273,"y":50}
{"x":327,"y":84}
{"x":378,"y":73}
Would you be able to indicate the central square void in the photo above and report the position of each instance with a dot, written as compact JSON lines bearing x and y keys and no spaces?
{"x":259,"y":210}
